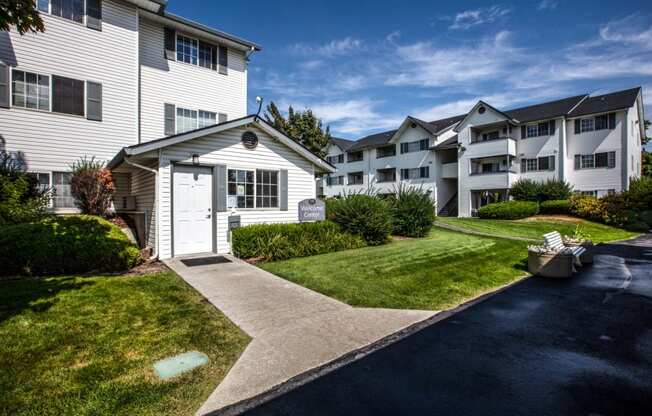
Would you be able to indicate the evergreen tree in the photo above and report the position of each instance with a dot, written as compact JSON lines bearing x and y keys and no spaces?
{"x":22,"y":14}
{"x":301,"y":126}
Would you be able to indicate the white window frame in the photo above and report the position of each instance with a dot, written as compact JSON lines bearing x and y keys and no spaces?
{"x":587,"y":161}
{"x":255,"y":185}
{"x":278,"y":189}
{"x":197,"y":112}
{"x":201,"y":115}
{"x":52,"y":185}
{"x":49,"y":13}
{"x":589,"y":126}
{"x":38,"y":74}
{"x":210,"y":55}
{"x":534,"y":133}
{"x":177,"y":52}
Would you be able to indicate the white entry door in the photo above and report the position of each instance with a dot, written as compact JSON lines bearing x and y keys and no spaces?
{"x":192,"y":210}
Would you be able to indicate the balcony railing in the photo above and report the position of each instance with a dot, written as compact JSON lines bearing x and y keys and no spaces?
{"x":496,"y":172}
{"x":449,"y":170}
{"x":479,"y":139}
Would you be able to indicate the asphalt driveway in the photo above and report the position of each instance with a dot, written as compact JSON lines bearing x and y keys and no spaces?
{"x":575,"y":347}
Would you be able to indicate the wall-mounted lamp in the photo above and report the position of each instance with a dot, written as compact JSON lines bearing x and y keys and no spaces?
{"x":195,"y":159}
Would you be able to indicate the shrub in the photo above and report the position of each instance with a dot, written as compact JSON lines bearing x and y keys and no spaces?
{"x":363,"y":214}
{"x":21,"y":199}
{"x":284,"y":241}
{"x":92,"y":186}
{"x":554,"y":190}
{"x":59,"y":245}
{"x":509,"y":210}
{"x":413,"y":212}
{"x":525,"y":190}
{"x":639,"y":195}
{"x":555,"y":207}
{"x":585,"y":206}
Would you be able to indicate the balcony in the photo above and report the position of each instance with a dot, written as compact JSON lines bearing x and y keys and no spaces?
{"x":449,"y":170}
{"x":503,"y":145}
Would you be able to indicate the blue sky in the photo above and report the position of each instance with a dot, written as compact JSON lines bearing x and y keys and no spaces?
{"x":362,"y":66}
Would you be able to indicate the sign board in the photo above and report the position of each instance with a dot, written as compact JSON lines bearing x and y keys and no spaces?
{"x":312,"y":210}
{"x":234,"y":222}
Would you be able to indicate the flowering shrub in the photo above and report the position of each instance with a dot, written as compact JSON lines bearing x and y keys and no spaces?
{"x":92,"y":186}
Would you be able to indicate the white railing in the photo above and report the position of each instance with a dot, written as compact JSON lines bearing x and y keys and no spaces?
{"x":449,"y":170}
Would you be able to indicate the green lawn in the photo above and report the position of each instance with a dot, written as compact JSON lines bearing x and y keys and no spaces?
{"x":436,"y":272}
{"x":535,"y":227}
{"x":86,"y":345}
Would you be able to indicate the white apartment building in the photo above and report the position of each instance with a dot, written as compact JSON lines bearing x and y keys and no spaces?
{"x":468,"y":161}
{"x":163,"y":100}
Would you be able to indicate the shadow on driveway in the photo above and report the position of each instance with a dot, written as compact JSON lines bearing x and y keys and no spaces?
{"x":541,"y":347}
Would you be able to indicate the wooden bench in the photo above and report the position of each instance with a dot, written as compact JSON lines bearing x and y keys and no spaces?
{"x":554,"y":242}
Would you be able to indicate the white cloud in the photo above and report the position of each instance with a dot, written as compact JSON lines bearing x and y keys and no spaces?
{"x":629,"y":30}
{"x":469,"y":18}
{"x":548,"y":5}
{"x":328,"y":50}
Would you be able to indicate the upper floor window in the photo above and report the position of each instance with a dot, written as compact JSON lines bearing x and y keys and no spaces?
{"x":415,"y":173}
{"x":386,"y":175}
{"x":68,"y":9}
{"x":206,"y":118}
{"x":417,"y":146}
{"x":335,"y":180}
{"x":354,"y":156}
{"x":386,"y":151}
{"x":333,"y":160}
{"x":601,"y":122}
{"x":596,"y":160}
{"x":67,"y":95}
{"x":186,"y":119}
{"x":30,"y":90}
{"x":205,"y":55}
{"x":546,"y":128}
{"x":356,"y":178}
{"x":186,"y":50}
{"x":538,"y":164}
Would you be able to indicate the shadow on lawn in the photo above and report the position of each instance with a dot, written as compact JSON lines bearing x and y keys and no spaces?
{"x":17,"y":296}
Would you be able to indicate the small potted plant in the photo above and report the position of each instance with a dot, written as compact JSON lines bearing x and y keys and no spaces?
{"x":546,"y":262}
{"x":581,"y":238}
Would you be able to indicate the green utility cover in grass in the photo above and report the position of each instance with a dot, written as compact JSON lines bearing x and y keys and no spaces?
{"x":173,"y":366}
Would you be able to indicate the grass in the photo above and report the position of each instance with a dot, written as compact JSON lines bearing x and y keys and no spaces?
{"x":439,"y":271}
{"x":535,"y":227}
{"x":85,"y":345}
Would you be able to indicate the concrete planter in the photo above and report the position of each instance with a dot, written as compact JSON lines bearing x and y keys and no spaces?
{"x":587,"y":256}
{"x":556,"y":265}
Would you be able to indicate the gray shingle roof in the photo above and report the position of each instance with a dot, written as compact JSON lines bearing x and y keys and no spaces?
{"x":543,"y":111}
{"x":343,"y":144}
{"x":608,"y":102}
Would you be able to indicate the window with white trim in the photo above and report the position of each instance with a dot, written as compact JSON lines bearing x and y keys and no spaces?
{"x":596,"y":160}
{"x":538,"y":164}
{"x":335,"y":180}
{"x":186,"y":119}
{"x":30,"y":90}
{"x":415,"y":173}
{"x":186,"y":49}
{"x":266,"y":188}
{"x":416,"y":146}
{"x":206,"y":118}
{"x":587,"y":124}
{"x":61,"y":190}
{"x":333,"y":160}
{"x":68,"y":9}
{"x":532,"y":130}
{"x":356,"y":178}
{"x":205,"y":55}
{"x":241,"y":188}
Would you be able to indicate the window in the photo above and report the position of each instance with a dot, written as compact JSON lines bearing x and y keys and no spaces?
{"x":43,"y":180}
{"x":531,"y":164}
{"x":68,"y":9}
{"x":589,"y":193}
{"x":588,"y":161}
{"x":30,"y":90}
{"x":417,"y":146}
{"x":241,"y":188}
{"x":538,"y":164}
{"x":206,"y":118}
{"x":186,"y":120}
{"x":356,"y":178}
{"x":335,"y":180}
{"x":43,"y":6}
{"x":386,"y":175}
{"x":544,"y":163}
{"x":543,"y":129}
{"x":266,"y":189}
{"x":601,"y":122}
{"x":355,"y":156}
{"x":205,"y":55}
{"x":597,"y":160}
{"x":533,"y":130}
{"x":333,"y":160}
{"x":492,"y":135}
{"x":67,"y":95}
{"x":186,"y":50}
{"x":587,"y":124}
{"x":415,"y":173}
{"x":386,"y":151}
{"x":62,"y":197}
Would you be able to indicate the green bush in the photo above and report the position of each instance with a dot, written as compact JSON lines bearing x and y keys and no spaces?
{"x":413,"y":212}
{"x":21,"y":199}
{"x":509,"y":210}
{"x":284,"y":241}
{"x":555,"y":207}
{"x":60,"y":245}
{"x":529,"y":190}
{"x":525,"y":190}
{"x":363,"y":214}
{"x":585,"y":206}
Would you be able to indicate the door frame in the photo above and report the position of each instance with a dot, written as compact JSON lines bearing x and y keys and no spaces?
{"x":213,"y":201}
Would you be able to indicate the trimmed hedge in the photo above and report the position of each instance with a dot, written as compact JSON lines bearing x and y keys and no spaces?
{"x":509,"y":210}
{"x":555,"y":207}
{"x":62,"y":245}
{"x":413,"y":212}
{"x":361,"y":214}
{"x":530,"y":190}
{"x":285,"y":241}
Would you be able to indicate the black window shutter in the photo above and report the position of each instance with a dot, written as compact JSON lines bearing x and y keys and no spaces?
{"x":170,"y":118}
{"x":93,"y":101}
{"x":220,"y":179}
{"x":552,"y":127}
{"x":578,"y":159}
{"x":214,"y":57}
{"x":221,"y":117}
{"x":577,"y":126}
{"x":224,"y":60}
{"x":94,"y":14}
{"x":551,"y":163}
{"x":523,"y":132}
{"x":612,"y":121}
{"x":284,"y":189}
{"x":170,"y":43}
{"x":4,"y":85}
{"x":484,"y":136}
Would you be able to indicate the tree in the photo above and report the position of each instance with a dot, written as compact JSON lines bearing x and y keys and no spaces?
{"x":92,"y":186}
{"x":302,"y":127}
{"x":646,"y":164}
{"x":22,"y":14}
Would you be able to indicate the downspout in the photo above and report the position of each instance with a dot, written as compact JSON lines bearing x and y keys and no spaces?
{"x":156,"y":192}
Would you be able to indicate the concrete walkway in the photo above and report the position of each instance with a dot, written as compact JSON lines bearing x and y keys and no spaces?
{"x":293,"y":328}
